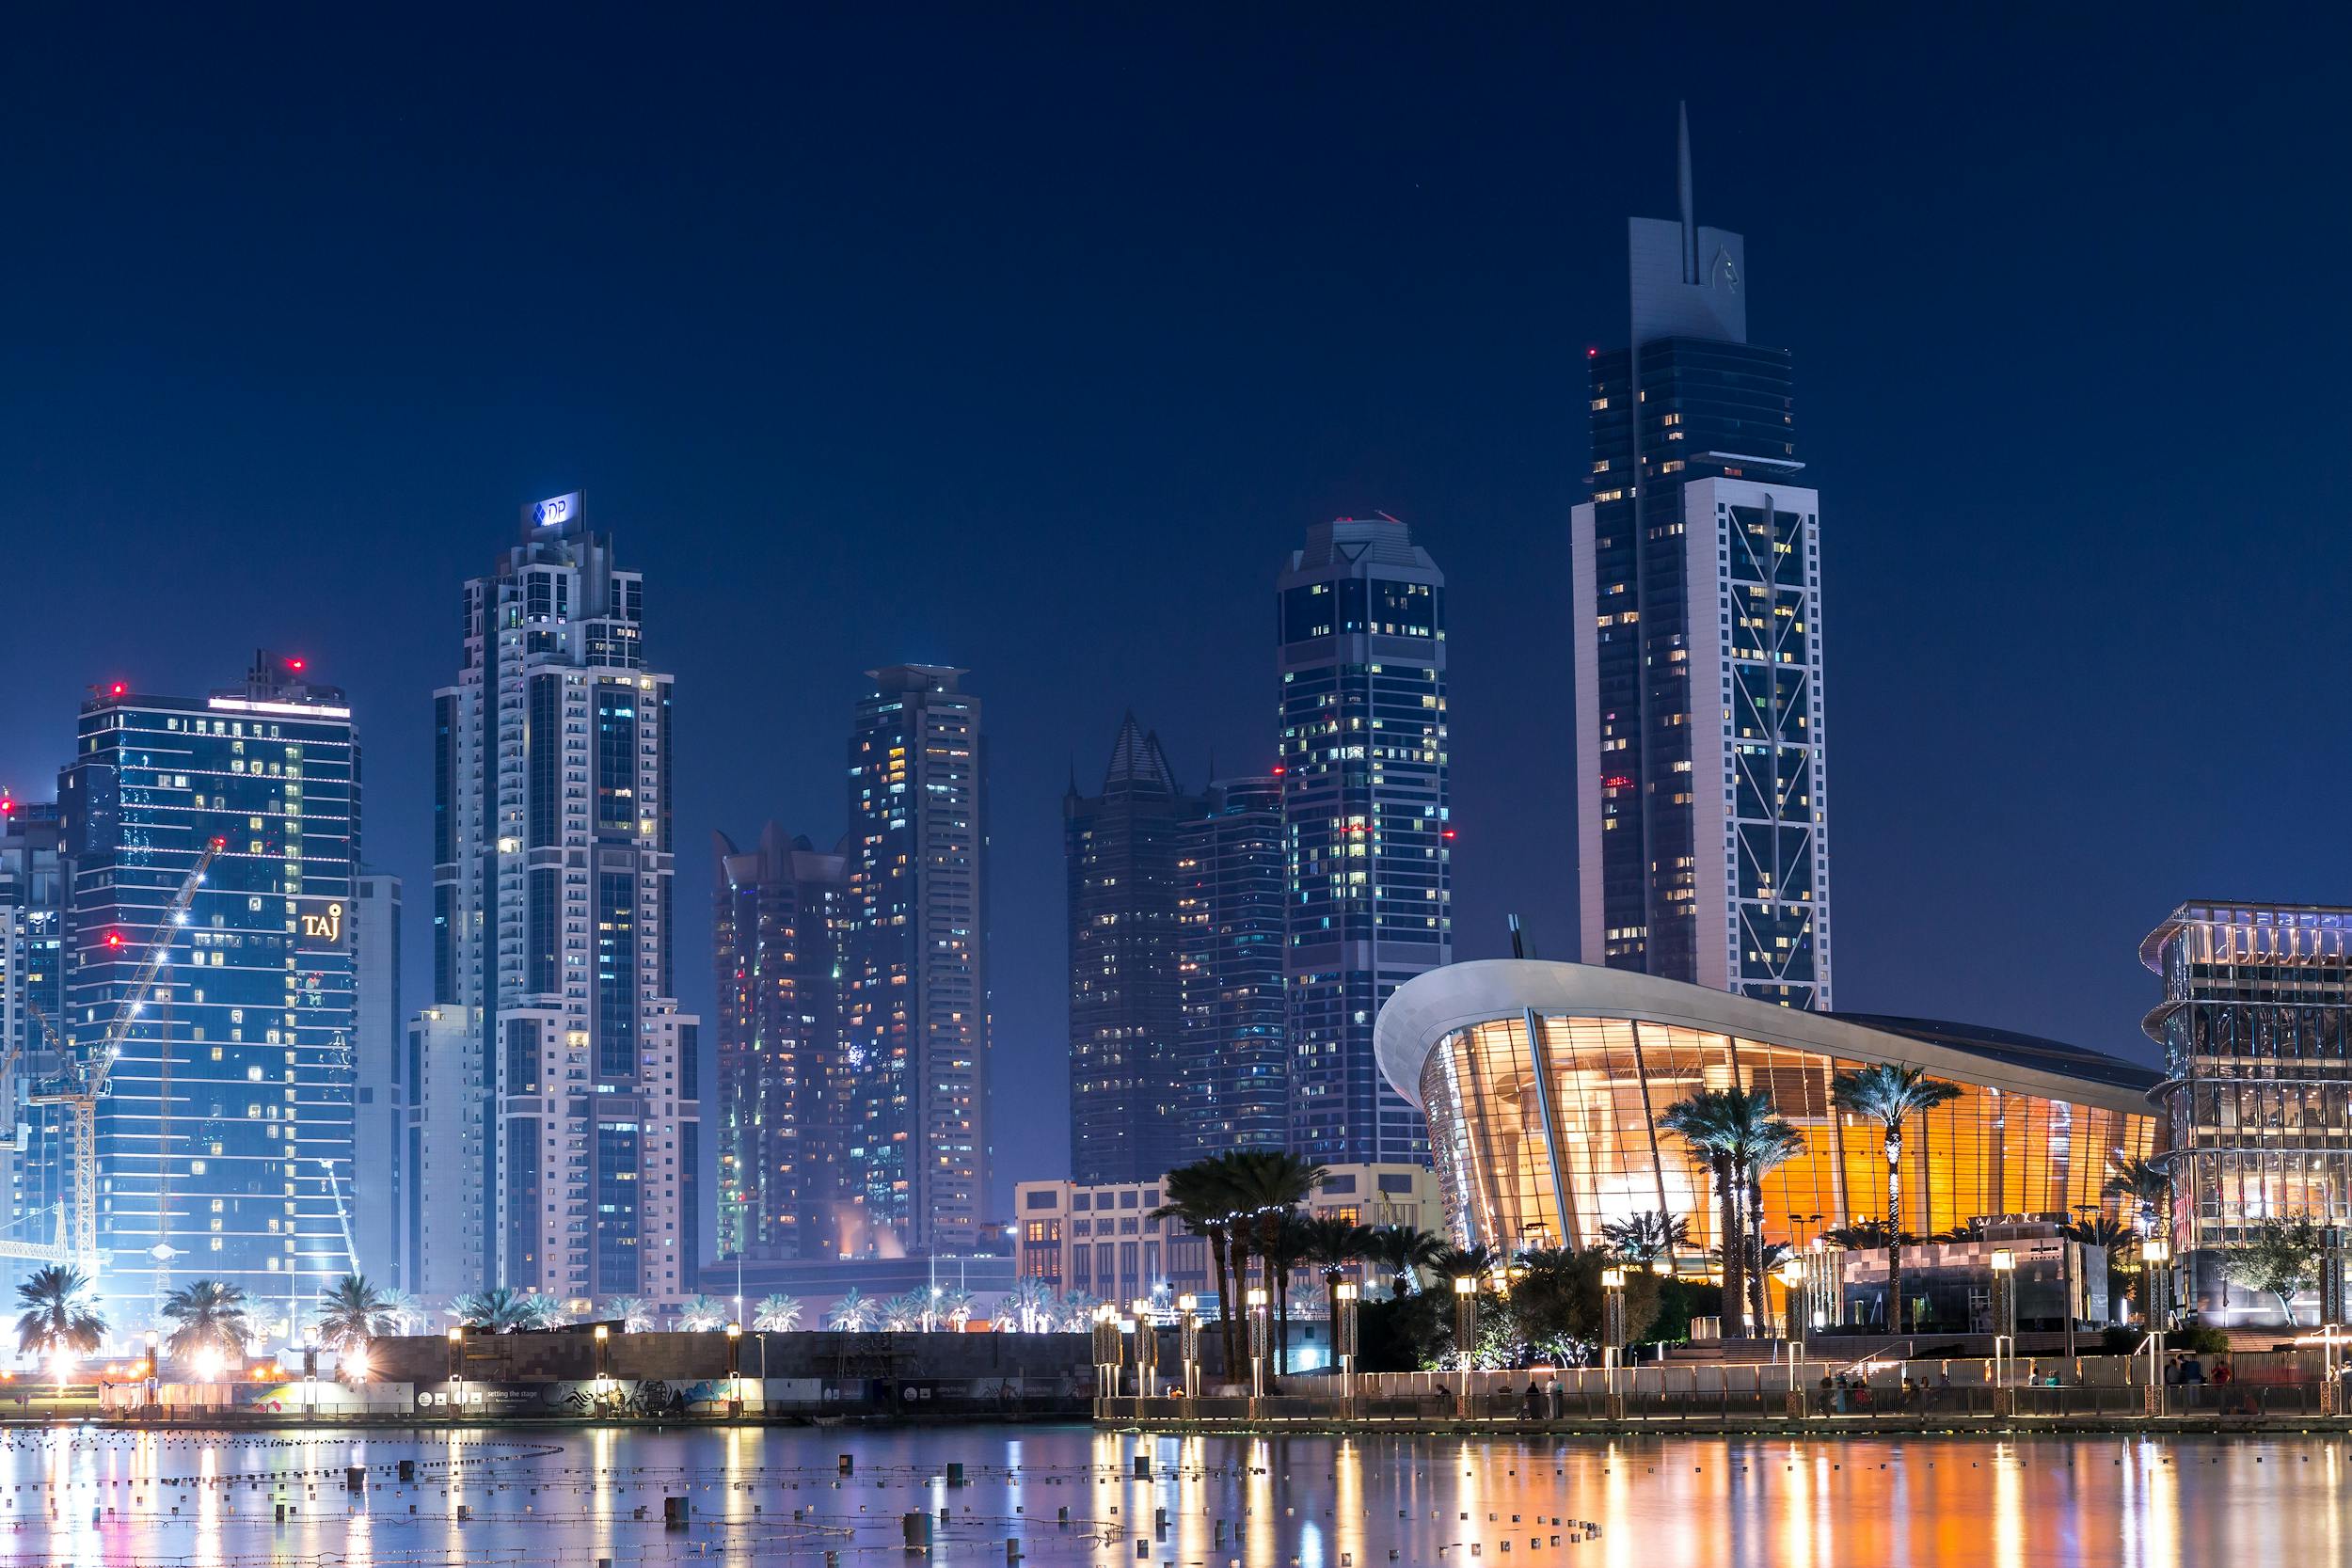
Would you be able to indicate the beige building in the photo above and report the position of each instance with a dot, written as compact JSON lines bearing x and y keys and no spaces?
{"x":1103,"y":1241}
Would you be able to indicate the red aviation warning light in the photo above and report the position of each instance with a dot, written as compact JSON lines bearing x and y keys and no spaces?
{"x":294,"y":664}
{"x":117,"y":689}
{"x":220,"y":844}
{"x":113,"y":939}
{"x":1447,"y":836}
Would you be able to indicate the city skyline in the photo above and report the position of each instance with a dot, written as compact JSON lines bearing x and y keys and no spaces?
{"x":255,"y":467}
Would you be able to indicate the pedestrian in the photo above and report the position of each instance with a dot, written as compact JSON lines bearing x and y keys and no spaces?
{"x":1845,"y":1394}
{"x":1535,"y":1401}
{"x":1826,"y":1390}
{"x":1557,"y":1397}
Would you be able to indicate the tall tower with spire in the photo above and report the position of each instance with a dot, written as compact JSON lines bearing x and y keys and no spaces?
{"x":1702,"y":790}
{"x":1122,"y":848}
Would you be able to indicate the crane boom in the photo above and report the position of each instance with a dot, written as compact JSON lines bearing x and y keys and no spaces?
{"x":86,"y":1082}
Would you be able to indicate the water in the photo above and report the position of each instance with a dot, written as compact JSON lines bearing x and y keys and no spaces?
{"x":567,"y":1499}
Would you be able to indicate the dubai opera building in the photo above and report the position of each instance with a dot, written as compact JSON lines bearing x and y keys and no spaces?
{"x":1544,"y":1082}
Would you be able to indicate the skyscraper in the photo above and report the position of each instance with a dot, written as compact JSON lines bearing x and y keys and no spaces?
{"x":379,"y":1209}
{"x":1362,"y":662}
{"x":31,"y":1003}
{"x":224,"y":1136}
{"x":777,"y":930}
{"x":916,"y":970}
{"x":1702,"y":810}
{"x":1233,"y":1057}
{"x":1126,"y":1003}
{"x":552,"y":934}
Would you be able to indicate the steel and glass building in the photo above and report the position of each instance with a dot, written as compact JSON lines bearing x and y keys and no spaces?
{"x":1233,"y":1077}
{"x":32,"y":1003}
{"x":1544,"y":1082}
{"x":577,"y":1105}
{"x":379,"y":1202}
{"x":916,"y":973}
{"x":1701,"y":789}
{"x":2256,"y":1026}
{"x":224,"y":1136}
{"x":1360,"y":614}
{"x":783,"y":1092}
{"x":1120,"y":853}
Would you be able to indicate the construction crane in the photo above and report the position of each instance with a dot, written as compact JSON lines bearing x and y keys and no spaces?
{"x":85,"y":1079}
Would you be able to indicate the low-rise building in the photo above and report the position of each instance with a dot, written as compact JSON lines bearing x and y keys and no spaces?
{"x":1102,"y":1241}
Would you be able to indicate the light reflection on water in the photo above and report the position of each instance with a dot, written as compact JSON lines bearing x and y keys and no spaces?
{"x":571,"y":1498}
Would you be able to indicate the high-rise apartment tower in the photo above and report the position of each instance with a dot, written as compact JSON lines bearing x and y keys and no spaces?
{"x":1362,"y":662}
{"x":1702,"y":796}
{"x":552,"y":927}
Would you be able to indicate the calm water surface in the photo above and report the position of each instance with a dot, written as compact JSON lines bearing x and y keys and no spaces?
{"x":571,"y":1499}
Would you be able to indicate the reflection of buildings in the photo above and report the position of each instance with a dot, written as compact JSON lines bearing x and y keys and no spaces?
{"x":2256,"y":1025}
{"x":1550,"y":1146}
{"x":1102,"y":1241}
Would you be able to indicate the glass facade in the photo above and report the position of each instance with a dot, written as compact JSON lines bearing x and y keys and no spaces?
{"x":2256,"y":1025}
{"x":1548,"y":1158}
{"x":1235,"y":1084}
{"x":1364,"y":764}
{"x":224,"y":1136}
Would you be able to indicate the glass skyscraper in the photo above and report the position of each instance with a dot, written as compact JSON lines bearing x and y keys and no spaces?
{"x":1126,"y":998}
{"x":1233,"y":1057}
{"x":224,"y":1139}
{"x":1703,"y":838}
{"x":915,"y":977}
{"x":578,"y":1106}
{"x":33,"y":894}
{"x":1368,"y":842}
{"x":776,"y":945}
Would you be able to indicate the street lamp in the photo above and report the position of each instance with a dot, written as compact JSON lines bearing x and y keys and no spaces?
{"x":735,"y":1369}
{"x":1612,"y":1334}
{"x":1147,"y":1351}
{"x":1261,"y":1330}
{"x":2156,"y":1263}
{"x":456,"y":1370}
{"x":2004,"y":1315}
{"x":1188,"y":1342}
{"x":310,"y":1369}
{"x":1344,"y":1300}
{"x":155,"y":1383}
{"x":1465,"y":1331}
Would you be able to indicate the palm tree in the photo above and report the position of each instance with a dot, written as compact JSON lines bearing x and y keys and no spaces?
{"x":1765,"y":1145}
{"x":503,"y":1310}
{"x":1028,"y":1306}
{"x":633,"y":1313}
{"x":1887,"y":1094}
{"x":210,"y":1316}
{"x":1266,"y":1186}
{"x":1402,"y":1252}
{"x":355,"y":1312}
{"x":57,"y":1318}
{"x":2121,"y":1243}
{"x":1285,"y":1253}
{"x":701,"y":1314}
{"x":954,"y":1308}
{"x":2147,"y":1182}
{"x":1078,"y":1311}
{"x":407,"y":1313}
{"x":1647,"y":1237}
{"x":1864,"y":1235}
{"x":776,"y":1314}
{"x":1707,"y":1121}
{"x":1197,"y":1198}
{"x":853,"y":1312}
{"x":1475,"y":1262}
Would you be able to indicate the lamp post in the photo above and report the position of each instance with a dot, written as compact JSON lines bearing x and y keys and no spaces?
{"x":311,"y":1371}
{"x":2156,"y":1262}
{"x":1147,"y":1351}
{"x":155,"y":1382}
{"x":603,"y":1365}
{"x":2004,"y":1325}
{"x":735,"y":1369}
{"x":1188,"y":1342}
{"x":1465,"y":1337}
{"x":1258,"y":1334}
{"x":1343,"y":1296}
{"x":456,"y":1370}
{"x":1612,"y":1336}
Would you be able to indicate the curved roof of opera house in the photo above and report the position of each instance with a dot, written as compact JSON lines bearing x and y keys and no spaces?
{"x":1430,"y":1006}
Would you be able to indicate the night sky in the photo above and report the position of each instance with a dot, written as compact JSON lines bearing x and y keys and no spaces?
{"x":1033,"y":347}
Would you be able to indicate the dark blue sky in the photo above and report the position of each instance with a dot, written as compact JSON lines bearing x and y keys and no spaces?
{"x":1032,"y":345}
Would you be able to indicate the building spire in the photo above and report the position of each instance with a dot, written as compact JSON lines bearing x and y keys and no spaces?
{"x":1682,"y":187}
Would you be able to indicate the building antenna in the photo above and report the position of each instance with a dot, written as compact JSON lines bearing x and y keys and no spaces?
{"x":1518,"y":938}
{"x":1682,"y":187}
